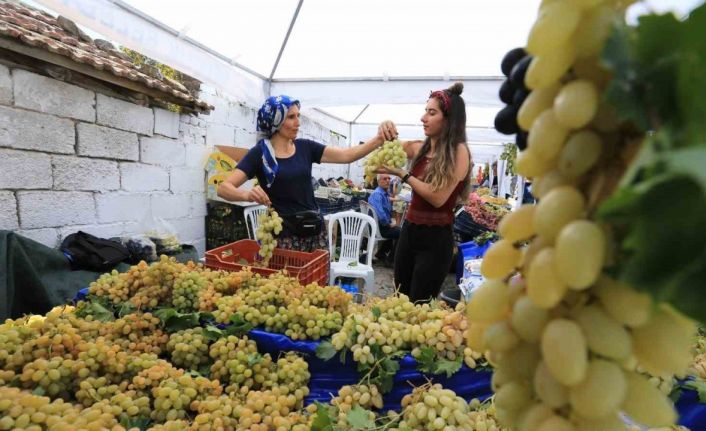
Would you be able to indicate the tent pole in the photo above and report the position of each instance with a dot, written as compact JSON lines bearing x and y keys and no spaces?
{"x":286,"y":38}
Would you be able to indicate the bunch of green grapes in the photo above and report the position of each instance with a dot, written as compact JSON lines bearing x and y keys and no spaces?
{"x":560,"y":334}
{"x":185,"y":294}
{"x":14,"y":335}
{"x":215,"y":412}
{"x":137,"y":332}
{"x":152,"y":375}
{"x":188,"y":348}
{"x":261,"y":410}
{"x":208,"y":298}
{"x":93,"y":389}
{"x":292,"y":371}
{"x":361,"y":331}
{"x":365,"y":396}
{"x":113,"y":285}
{"x":390,"y":154}
{"x":269,"y":225}
{"x":237,"y":362}
{"x":226,"y":306}
{"x":435,"y":408}
{"x":55,"y":376}
{"x":482,"y":416}
{"x":173,"y":396}
{"x":130,"y":404}
{"x":310,"y":321}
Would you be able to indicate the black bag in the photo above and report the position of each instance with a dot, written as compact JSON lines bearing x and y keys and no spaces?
{"x":304,"y":223}
{"x":86,"y":251}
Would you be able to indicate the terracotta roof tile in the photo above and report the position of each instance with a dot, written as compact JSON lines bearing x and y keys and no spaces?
{"x":40,"y":30}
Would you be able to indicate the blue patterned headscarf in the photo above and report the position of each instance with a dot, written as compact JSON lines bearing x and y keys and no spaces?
{"x":272,"y":113}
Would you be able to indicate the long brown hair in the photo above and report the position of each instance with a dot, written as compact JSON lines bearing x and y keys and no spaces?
{"x":440,"y":170}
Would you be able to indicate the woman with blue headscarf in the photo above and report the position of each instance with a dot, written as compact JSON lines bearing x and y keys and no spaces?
{"x":282,"y":165}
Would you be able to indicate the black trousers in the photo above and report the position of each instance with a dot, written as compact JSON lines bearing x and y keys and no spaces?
{"x":422,"y":260}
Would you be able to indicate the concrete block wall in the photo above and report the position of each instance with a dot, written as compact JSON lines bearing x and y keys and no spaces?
{"x":74,"y":159}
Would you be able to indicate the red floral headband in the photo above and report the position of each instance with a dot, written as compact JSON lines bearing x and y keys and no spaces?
{"x":444,"y":97}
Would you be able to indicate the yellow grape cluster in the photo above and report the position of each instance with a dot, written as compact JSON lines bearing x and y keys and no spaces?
{"x":173,"y":396}
{"x":390,"y":154}
{"x":269,"y":225}
{"x":188,"y":348}
{"x":365,"y":396}
{"x":136,"y":332}
{"x":185,"y":293}
{"x":435,"y":408}
{"x":561,"y":334}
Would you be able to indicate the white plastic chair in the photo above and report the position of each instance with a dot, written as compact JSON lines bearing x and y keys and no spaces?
{"x":251,"y":218}
{"x":368,"y":209}
{"x":353,"y":225}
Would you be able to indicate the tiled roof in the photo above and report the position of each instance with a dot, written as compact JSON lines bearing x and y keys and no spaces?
{"x":61,"y":36}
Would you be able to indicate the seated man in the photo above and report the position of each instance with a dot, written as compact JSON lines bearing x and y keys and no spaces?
{"x":382,"y":204}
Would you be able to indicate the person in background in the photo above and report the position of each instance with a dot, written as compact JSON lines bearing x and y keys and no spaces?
{"x":439,"y":177}
{"x":282,"y":164}
{"x":381,"y":202}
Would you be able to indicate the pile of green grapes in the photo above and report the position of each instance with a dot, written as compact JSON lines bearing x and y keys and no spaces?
{"x":390,"y":154}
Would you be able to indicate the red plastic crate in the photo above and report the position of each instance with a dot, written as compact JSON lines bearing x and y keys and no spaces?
{"x":306,"y":267}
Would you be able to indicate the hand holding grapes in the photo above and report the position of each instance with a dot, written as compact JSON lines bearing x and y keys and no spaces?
{"x":387,"y":131}
{"x":258,"y":195}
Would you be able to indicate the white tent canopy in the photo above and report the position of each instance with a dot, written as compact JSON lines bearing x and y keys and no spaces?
{"x":349,"y":62}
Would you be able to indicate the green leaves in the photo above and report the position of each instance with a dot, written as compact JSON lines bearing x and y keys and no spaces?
{"x":238,"y":326}
{"x":658,"y":214}
{"x":431,"y":364}
{"x":174,"y":321}
{"x":142,"y":423}
{"x":699,"y":386}
{"x":325,"y":350}
{"x":323,"y":421}
{"x":358,"y":419}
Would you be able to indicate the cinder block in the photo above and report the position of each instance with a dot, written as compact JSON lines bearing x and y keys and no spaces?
{"x":25,"y":170}
{"x":185,"y":180}
{"x":167,"y":206}
{"x":5,"y":86}
{"x":55,"y":209}
{"x":137,"y":177}
{"x":198,"y":205}
{"x":48,"y":237}
{"x":8,"y":211}
{"x":218,"y":134}
{"x":124,"y":115}
{"x":162,"y":151}
{"x":34,"y":131}
{"x":43,"y":94}
{"x":122,"y":207}
{"x":166,"y":123}
{"x":189,"y":230}
{"x":83,"y":173}
{"x":196,"y":156}
{"x":99,"y":141}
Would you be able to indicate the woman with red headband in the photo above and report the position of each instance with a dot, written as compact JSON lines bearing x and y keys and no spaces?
{"x":439,"y":177}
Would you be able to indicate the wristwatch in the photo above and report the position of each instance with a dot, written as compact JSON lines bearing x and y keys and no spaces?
{"x":406,"y":177}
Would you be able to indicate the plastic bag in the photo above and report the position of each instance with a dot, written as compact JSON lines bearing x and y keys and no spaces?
{"x":163,"y":235}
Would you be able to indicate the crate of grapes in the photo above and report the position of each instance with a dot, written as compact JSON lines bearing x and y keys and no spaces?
{"x":306,"y":267}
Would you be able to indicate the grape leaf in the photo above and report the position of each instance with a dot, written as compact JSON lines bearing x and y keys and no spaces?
{"x":699,"y":386}
{"x":142,"y":423}
{"x":376,"y":312}
{"x":212,"y":333}
{"x":322,"y":421}
{"x":358,"y":419}
{"x":426,"y":359}
{"x":448,"y":367}
{"x":238,"y":325}
{"x":39,"y":391}
{"x":254,"y":359}
{"x":325,"y":350}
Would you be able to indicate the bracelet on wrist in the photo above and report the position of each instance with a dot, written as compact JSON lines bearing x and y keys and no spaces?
{"x":406,"y":177}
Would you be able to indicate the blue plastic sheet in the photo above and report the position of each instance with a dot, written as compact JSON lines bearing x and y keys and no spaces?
{"x":327,"y":377}
{"x":468,"y":251}
{"x":692,"y":414}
